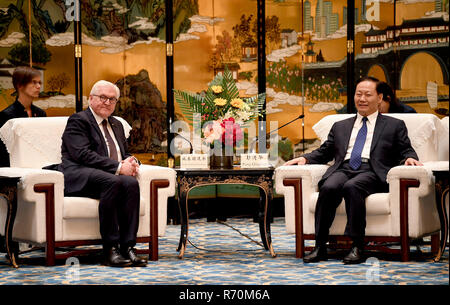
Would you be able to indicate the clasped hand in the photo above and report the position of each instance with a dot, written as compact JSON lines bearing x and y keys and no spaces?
{"x":129,"y":167}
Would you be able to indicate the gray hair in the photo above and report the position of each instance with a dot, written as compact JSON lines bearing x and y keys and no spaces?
{"x":104,"y":83}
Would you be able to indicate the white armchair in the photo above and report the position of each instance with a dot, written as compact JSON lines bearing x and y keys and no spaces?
{"x":45,"y":217}
{"x":407,"y":211}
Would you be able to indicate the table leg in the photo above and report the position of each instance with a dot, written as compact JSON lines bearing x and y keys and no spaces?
{"x":183,"y":205}
{"x":265,"y":213}
{"x":440,"y":205}
{"x":11,"y":198}
{"x":262,"y":218}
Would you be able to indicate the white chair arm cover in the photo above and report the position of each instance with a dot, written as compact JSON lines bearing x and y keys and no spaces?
{"x":310,"y":172}
{"x":421,"y":173}
{"x":27,"y":196}
{"x":147,"y":173}
{"x":310,"y":175}
{"x":421,"y":199}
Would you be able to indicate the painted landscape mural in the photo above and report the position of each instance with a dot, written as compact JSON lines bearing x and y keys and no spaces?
{"x":123,"y":41}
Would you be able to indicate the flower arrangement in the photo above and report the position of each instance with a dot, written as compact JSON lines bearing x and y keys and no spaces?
{"x":223,"y":112}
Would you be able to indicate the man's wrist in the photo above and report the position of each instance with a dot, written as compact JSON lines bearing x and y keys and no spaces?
{"x":118,"y":169}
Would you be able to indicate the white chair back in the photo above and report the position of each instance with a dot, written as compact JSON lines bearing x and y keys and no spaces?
{"x":36,"y":142}
{"x":424,"y":131}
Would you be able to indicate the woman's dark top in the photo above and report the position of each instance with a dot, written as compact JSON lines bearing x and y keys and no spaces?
{"x":15,"y":110}
{"x":401,"y":108}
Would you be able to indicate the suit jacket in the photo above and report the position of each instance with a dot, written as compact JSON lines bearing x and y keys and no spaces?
{"x":390,"y":146}
{"x":84,"y":149}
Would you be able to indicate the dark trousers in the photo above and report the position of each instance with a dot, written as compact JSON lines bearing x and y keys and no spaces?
{"x":353,"y":186}
{"x":118,"y":208}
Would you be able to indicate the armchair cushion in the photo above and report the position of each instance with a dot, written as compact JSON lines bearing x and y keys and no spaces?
{"x":376,"y":204}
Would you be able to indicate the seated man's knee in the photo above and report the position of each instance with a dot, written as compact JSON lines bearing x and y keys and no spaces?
{"x":351,"y":186}
{"x":330,"y":187}
{"x":130,"y":183}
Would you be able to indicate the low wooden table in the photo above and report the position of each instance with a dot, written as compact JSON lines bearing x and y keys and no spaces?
{"x":188,"y":179}
{"x":8,"y":190}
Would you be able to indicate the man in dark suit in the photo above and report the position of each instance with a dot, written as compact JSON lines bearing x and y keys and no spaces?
{"x":364,"y":148}
{"x":96,"y":164}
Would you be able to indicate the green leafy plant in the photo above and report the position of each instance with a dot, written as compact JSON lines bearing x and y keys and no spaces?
{"x":225,"y":112}
{"x":220,"y":101}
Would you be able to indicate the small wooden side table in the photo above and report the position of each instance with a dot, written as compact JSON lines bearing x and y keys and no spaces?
{"x":442,"y":187}
{"x":188,"y":179}
{"x":8,"y":190}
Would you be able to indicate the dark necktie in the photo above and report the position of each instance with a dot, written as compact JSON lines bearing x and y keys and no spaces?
{"x":109,"y":139}
{"x":355,"y":157}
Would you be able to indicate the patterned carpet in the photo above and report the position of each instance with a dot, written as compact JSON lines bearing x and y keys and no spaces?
{"x":230,"y":254}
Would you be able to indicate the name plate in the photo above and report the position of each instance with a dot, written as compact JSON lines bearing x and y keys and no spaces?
{"x":194,"y":161}
{"x":254,"y":160}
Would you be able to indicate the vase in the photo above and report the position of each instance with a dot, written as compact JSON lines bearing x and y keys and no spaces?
{"x":220,"y":162}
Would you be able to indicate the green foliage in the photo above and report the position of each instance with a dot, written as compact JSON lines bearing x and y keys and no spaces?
{"x":205,"y":103}
{"x":285,"y":150}
{"x":20,"y":54}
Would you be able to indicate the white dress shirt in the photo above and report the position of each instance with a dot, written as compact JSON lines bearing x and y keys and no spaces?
{"x":371,"y":121}
{"x":99,"y":121}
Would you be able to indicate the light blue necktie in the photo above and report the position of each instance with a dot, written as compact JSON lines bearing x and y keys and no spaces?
{"x":355,"y":157}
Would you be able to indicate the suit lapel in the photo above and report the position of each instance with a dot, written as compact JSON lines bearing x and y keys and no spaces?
{"x":94,"y":124}
{"x":379,"y":126}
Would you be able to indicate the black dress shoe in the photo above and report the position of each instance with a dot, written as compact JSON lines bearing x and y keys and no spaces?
{"x":113,"y":258}
{"x":355,"y":256}
{"x":136,"y":261}
{"x":317,"y":255}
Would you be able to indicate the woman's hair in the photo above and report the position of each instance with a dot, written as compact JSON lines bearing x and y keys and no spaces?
{"x":386,"y":90}
{"x":388,"y":95}
{"x":23,"y":75}
{"x":104,"y":83}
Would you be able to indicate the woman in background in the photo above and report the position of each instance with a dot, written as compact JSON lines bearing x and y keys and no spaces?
{"x":390,"y":104}
{"x":27,"y":82}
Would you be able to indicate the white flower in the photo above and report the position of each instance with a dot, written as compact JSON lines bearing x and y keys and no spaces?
{"x":213,"y":131}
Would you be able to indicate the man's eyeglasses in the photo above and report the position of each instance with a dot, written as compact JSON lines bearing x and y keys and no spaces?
{"x":104,"y":99}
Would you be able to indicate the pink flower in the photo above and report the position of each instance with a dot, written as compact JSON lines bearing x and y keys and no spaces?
{"x":233,"y":132}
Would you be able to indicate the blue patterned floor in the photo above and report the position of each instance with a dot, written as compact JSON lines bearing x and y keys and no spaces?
{"x":226,"y":257}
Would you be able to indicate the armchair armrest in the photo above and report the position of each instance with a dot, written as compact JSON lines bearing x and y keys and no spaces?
{"x":412,"y":200}
{"x":310,"y":176}
{"x":32,"y":204}
{"x":421,"y":173}
{"x":310,"y":173}
{"x":32,"y":176}
{"x":147,"y":175}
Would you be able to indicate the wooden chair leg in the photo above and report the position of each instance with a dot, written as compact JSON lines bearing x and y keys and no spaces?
{"x":405,"y":184}
{"x":154,"y":186}
{"x":49,"y":190}
{"x":298,"y":204}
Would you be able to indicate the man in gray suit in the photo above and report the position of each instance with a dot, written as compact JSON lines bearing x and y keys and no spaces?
{"x":364,"y":148}
{"x":96,"y":164}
